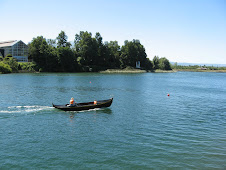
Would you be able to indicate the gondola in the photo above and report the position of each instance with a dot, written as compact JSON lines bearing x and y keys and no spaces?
{"x":85,"y":106}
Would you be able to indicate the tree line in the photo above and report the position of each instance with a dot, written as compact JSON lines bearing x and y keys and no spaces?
{"x":87,"y":53}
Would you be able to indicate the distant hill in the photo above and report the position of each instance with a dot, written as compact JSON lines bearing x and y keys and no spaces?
{"x":199,"y":64}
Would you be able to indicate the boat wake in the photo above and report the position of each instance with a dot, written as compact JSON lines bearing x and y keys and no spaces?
{"x":90,"y":110}
{"x":24,"y":109}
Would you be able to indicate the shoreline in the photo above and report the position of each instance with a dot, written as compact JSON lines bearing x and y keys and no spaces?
{"x":129,"y":71}
{"x":199,"y":70}
{"x":109,"y":71}
{"x":123,"y":71}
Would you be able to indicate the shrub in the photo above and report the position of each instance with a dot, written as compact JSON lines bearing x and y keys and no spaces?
{"x":5,"y":68}
{"x":28,"y":66}
{"x":11,"y":62}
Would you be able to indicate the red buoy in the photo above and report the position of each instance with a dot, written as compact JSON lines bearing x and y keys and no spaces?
{"x":168,"y":94}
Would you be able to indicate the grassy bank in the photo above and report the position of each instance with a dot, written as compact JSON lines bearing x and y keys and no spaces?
{"x":199,"y":70}
{"x":136,"y":71}
{"x":123,"y":71}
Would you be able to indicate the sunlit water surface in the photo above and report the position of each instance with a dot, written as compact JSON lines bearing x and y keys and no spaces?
{"x":144,"y":128}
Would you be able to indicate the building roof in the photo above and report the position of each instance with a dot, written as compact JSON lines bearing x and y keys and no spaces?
{"x":8,"y":43}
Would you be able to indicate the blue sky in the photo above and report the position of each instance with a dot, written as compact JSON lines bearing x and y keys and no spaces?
{"x":191,"y":31}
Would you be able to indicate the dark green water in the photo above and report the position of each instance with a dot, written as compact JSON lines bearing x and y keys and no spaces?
{"x":143,"y":129}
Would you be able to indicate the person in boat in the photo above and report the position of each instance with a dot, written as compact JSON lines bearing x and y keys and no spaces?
{"x":95,"y":102}
{"x":72,"y":102}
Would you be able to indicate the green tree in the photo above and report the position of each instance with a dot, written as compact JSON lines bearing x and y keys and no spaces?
{"x":51,"y":59}
{"x":101,"y":56}
{"x":43,"y":54}
{"x":52,"y":42}
{"x":164,"y":64}
{"x":35,"y":50}
{"x":149,"y":65}
{"x":113,"y":52}
{"x":66,"y":60}
{"x":62,"y":40}
{"x":131,"y":52}
{"x":86,"y":47}
{"x":156,"y":62}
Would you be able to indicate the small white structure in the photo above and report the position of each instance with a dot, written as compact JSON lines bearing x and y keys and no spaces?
{"x":18,"y":50}
{"x":138,"y":64}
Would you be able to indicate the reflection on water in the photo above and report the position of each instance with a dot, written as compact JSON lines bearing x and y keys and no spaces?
{"x":91,"y":111}
{"x":105,"y":110}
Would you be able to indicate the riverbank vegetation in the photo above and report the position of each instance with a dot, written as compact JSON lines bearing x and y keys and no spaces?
{"x":90,"y":54}
{"x":197,"y":68}
{"x":8,"y":64}
{"x":86,"y":53}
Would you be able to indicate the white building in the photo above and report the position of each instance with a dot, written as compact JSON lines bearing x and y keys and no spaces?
{"x":18,"y":49}
{"x":138,"y":64}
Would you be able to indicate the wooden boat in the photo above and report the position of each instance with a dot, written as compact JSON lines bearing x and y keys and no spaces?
{"x":85,"y":106}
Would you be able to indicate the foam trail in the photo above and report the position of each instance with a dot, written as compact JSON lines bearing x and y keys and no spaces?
{"x":25,"y":109}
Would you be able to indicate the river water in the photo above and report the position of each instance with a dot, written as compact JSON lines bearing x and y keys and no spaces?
{"x":144,"y":128}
